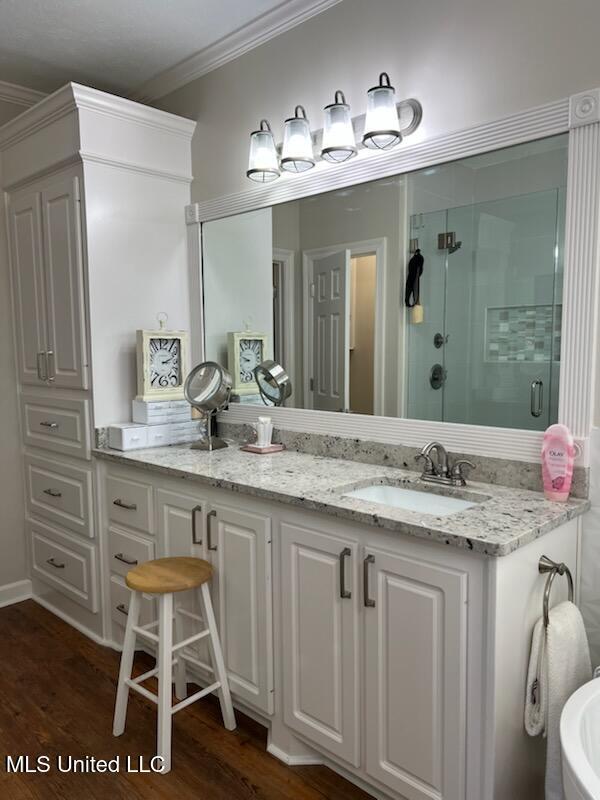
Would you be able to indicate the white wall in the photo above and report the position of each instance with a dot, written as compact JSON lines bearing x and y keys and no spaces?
{"x":12,"y":533}
{"x":238,"y":280}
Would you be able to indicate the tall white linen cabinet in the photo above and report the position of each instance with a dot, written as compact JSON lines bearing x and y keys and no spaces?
{"x":95,"y":190}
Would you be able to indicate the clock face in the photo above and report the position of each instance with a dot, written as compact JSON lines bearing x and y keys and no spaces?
{"x":251,"y":355}
{"x":165,"y":363}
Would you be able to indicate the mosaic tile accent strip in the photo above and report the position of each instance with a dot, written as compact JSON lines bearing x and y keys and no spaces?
{"x":523,"y":333}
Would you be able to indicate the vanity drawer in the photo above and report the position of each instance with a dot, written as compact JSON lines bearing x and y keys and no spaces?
{"x":120,"y":597}
{"x":126,"y":550}
{"x":61,"y":493}
{"x":56,"y":423}
{"x":129,"y":502}
{"x":68,"y":565}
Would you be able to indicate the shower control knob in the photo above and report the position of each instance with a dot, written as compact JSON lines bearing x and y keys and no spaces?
{"x":437,"y":376}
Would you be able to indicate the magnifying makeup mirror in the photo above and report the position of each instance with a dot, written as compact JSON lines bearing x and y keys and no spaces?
{"x":273,"y":382}
{"x":207,"y":388}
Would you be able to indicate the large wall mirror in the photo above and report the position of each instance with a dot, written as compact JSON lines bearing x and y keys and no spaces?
{"x":319,"y":284}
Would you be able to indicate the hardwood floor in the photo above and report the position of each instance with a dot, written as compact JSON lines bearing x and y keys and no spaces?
{"x":57,"y":690}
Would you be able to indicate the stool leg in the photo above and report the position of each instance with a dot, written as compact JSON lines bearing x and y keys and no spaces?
{"x":126,"y":664}
{"x":180,"y":670}
{"x":165,"y":673}
{"x":217,"y":659}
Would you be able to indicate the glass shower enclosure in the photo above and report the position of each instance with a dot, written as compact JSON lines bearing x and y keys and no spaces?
{"x":488,"y":349}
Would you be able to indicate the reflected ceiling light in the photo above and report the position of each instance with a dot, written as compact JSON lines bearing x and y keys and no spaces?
{"x":338,"y":134}
{"x":263,"y":166}
{"x":297,"y":151}
{"x":382,"y":126}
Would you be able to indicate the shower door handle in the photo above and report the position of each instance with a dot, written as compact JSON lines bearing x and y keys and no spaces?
{"x":537,"y":398}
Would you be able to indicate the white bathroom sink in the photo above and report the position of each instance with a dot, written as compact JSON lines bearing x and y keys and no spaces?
{"x":423,"y":502}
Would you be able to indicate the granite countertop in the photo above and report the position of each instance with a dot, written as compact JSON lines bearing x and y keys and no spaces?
{"x":502,"y":519}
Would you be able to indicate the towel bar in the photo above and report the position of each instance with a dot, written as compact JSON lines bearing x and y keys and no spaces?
{"x":553,"y":568}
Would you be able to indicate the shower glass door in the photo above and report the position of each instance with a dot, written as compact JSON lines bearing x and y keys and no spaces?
{"x":492,"y":307}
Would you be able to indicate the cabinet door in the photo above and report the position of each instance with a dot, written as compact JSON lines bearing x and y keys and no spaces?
{"x":320,"y":638}
{"x":415,"y":662}
{"x":240,"y":546}
{"x":63,"y":271}
{"x":181,"y":521}
{"x":25,"y":230}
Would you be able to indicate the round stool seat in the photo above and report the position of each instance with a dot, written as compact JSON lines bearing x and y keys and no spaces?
{"x":164,"y":575}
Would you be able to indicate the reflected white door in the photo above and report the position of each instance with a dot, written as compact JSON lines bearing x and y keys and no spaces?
{"x":331,"y":328}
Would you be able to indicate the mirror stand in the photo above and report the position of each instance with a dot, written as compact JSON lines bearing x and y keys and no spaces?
{"x":211,"y":442}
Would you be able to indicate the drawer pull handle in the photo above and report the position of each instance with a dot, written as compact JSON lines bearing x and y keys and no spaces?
{"x":369,"y":602}
{"x":51,"y":377}
{"x":52,"y":425}
{"x":211,"y":514}
{"x":54,"y":563}
{"x":42,"y":366}
{"x":121,"y":557}
{"x":122,"y":608}
{"x":345,"y":594}
{"x":52,"y":492}
{"x":195,"y":539}
{"x":127,"y":506}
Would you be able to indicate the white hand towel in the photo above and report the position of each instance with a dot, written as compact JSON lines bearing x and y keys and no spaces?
{"x":558,"y":665}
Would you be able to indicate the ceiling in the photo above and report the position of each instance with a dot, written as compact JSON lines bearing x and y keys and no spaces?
{"x":130,"y":47}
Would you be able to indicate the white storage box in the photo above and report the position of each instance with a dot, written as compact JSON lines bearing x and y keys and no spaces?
{"x":127,"y":436}
{"x":161,"y":412}
{"x":186,"y":431}
{"x":158,"y":435}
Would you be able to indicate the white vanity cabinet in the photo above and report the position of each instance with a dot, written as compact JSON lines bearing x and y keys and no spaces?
{"x":191,"y":521}
{"x":239,"y":547}
{"x":398,"y":661}
{"x":415,"y":654}
{"x":381,"y":627}
{"x":320,"y":638}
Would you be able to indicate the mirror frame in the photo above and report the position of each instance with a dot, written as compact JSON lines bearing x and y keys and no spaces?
{"x":579,"y":116}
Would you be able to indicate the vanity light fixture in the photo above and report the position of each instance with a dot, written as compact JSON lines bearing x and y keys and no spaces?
{"x":338,"y":134}
{"x":382,"y":126}
{"x":297,"y":151}
{"x":263,"y":165}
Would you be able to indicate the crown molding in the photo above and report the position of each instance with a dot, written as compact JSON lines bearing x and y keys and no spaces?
{"x":19,"y":95}
{"x":74,"y":96}
{"x":282,"y":18}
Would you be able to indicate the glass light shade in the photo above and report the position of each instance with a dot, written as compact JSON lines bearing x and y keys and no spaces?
{"x":382,"y":126}
{"x":338,"y":134}
{"x":262,"y":163}
{"x":297,"y":151}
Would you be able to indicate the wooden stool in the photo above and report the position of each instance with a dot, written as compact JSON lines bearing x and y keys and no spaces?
{"x":164,"y":577}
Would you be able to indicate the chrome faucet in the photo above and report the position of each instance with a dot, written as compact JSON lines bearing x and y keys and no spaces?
{"x":440,"y":470}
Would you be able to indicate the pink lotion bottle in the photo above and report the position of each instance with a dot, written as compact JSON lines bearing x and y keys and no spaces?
{"x":558,"y":457}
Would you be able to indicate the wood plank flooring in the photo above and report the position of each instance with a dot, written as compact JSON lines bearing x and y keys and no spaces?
{"x":57,"y":690}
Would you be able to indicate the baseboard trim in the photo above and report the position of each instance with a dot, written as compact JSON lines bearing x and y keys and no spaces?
{"x":70,"y":621}
{"x":293,"y":761}
{"x":16,"y":592}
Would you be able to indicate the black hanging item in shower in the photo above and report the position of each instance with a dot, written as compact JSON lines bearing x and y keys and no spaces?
{"x":413,"y":280}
